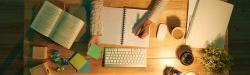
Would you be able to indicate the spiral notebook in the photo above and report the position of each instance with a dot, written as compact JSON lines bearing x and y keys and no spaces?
{"x":118,"y":25}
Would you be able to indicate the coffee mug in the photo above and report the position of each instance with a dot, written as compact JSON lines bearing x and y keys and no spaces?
{"x":178,"y":32}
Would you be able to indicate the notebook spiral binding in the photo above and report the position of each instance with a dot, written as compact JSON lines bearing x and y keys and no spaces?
{"x":123,"y":25}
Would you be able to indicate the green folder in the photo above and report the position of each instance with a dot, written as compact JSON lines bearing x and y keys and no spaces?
{"x":94,"y":51}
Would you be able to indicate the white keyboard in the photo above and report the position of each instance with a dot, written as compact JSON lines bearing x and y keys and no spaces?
{"x":125,"y":57}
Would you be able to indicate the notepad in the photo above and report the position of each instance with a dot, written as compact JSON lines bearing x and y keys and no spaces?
{"x":78,"y":61}
{"x":40,"y":52}
{"x":209,"y":23}
{"x":57,"y":24}
{"x":118,"y":26}
{"x":94,"y":51}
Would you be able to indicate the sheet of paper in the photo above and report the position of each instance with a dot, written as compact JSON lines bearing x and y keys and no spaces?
{"x":133,"y":16}
{"x":209,"y":23}
{"x":78,"y":61}
{"x":67,"y":30}
{"x":112,"y":25}
{"x":46,"y":18}
{"x":94,"y":51}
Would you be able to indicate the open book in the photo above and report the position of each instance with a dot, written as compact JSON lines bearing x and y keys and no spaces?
{"x":118,"y":26}
{"x":56,"y":24}
{"x":208,"y":23}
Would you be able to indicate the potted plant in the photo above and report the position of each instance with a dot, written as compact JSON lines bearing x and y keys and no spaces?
{"x":216,"y":60}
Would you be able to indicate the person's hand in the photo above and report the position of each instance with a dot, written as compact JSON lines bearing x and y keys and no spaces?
{"x":94,"y":40}
{"x":143,"y":30}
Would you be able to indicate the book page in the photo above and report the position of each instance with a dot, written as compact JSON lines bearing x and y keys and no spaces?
{"x":46,"y":18}
{"x":112,"y":25}
{"x":133,"y":16}
{"x":66,"y":30}
{"x":80,"y":12}
{"x":209,"y":23}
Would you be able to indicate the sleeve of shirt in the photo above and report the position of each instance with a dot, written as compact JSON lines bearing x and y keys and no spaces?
{"x":96,"y":25}
{"x":157,"y":9}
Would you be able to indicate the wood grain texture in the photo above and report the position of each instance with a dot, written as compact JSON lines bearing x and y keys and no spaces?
{"x":11,"y":30}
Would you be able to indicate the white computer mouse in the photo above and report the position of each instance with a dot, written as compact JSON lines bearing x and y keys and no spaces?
{"x":161,"y":32}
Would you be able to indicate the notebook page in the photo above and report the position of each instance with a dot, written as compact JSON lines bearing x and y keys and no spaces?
{"x":132,"y":17}
{"x":112,"y":25}
{"x":209,"y":23}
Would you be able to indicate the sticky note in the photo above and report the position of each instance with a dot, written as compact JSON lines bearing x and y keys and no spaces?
{"x":94,"y":51}
{"x":42,"y":69}
{"x":39,"y":52}
{"x":78,"y":61}
{"x":85,"y":68}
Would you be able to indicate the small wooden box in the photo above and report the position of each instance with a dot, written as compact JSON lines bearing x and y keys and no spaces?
{"x":42,"y":69}
{"x":40,"y":52}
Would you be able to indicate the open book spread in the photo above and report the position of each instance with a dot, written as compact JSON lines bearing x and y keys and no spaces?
{"x":118,"y":26}
{"x":209,"y":23}
{"x":56,"y":24}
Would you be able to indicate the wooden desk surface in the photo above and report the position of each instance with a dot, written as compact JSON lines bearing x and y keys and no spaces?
{"x":160,"y":53}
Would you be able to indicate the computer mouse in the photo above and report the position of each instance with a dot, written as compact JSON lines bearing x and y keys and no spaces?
{"x":162,"y":31}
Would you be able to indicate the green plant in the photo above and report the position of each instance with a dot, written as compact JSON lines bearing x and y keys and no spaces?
{"x":216,"y":60}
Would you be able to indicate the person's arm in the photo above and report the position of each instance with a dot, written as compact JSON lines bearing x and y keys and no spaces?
{"x":143,"y":29}
{"x":157,"y":9}
{"x":96,"y":25}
